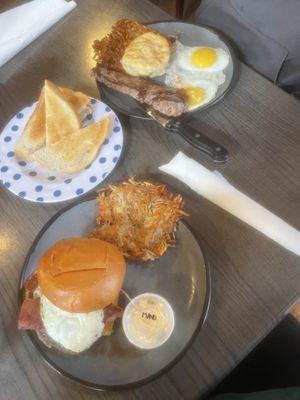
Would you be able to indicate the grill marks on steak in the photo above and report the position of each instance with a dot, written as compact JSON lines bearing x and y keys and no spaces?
{"x":120,"y":81}
{"x":166,"y":100}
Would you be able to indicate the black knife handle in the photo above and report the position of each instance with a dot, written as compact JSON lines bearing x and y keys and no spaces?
{"x":199,"y":140}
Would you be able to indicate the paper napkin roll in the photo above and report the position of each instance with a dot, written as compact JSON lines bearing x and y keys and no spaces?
{"x":22,"y":25}
{"x":214,"y":187}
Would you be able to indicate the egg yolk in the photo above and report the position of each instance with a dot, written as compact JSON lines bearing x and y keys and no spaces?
{"x":195,"y":95}
{"x":204,"y":57}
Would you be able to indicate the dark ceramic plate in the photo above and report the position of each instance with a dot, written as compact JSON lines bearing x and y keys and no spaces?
{"x":190,"y":35}
{"x":180,"y":276}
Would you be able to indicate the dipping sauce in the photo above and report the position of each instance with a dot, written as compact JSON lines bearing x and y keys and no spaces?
{"x":148,"y":321}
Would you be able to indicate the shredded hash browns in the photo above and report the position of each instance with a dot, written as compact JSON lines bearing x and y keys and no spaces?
{"x":139,"y":218}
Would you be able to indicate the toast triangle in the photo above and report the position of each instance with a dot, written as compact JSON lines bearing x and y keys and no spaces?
{"x":61,"y":117}
{"x":33,"y":136}
{"x":75,"y":151}
{"x":79,"y":101}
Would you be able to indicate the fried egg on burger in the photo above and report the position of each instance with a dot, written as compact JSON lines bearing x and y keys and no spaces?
{"x":74,"y":292}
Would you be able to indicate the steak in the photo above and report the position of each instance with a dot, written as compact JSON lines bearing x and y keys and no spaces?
{"x":163,"y":99}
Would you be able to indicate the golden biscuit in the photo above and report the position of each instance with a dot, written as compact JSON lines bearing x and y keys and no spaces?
{"x":147,"y":55}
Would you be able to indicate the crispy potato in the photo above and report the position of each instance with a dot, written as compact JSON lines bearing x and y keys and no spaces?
{"x":139,"y":218}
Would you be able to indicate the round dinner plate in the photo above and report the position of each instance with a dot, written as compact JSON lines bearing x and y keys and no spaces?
{"x":189,"y":35}
{"x":180,"y":276}
{"x":33,"y":182}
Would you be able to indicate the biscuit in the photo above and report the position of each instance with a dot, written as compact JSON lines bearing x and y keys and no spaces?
{"x":147,"y":55}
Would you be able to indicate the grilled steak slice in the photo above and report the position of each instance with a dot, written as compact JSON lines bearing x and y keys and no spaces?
{"x":166,"y":100}
{"x":120,"y":81}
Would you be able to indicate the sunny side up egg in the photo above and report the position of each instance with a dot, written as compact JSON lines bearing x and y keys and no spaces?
{"x":206,"y":59}
{"x":180,"y":68}
{"x":200,"y":95}
{"x":199,"y":91}
{"x":73,"y":331}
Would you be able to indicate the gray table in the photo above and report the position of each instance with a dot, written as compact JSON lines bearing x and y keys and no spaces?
{"x":254,"y":281}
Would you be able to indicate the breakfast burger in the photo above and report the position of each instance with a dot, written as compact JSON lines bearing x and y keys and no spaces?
{"x":72,"y":298}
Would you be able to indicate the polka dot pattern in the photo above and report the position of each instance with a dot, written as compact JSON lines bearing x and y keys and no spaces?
{"x":38,"y":188}
{"x":57,"y":193}
{"x":93,"y":179}
{"x":31,"y":181}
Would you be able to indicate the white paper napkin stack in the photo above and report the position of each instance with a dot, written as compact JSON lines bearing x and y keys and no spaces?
{"x":215,"y":188}
{"x":22,"y":25}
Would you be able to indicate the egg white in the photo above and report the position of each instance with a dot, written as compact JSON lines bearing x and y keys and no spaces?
{"x":175,"y":77}
{"x":73,"y":331}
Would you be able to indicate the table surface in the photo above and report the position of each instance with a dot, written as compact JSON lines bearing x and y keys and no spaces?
{"x":254,"y":280}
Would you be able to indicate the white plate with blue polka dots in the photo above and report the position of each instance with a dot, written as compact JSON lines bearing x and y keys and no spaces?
{"x":32,"y":182}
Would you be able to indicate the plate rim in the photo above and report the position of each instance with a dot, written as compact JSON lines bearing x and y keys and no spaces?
{"x":232,"y":83}
{"x":36,"y":343}
{"x":92,"y":189}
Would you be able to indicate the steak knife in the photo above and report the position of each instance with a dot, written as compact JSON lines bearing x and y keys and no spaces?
{"x":197,"y":139}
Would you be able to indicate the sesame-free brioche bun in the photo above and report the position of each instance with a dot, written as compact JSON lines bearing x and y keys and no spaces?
{"x":81,"y":274}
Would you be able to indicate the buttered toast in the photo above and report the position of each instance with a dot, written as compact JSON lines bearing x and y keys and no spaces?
{"x":34,"y":135}
{"x":76,"y":150}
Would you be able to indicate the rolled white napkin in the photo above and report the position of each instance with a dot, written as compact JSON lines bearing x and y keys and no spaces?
{"x":214,"y":187}
{"x":23,"y":24}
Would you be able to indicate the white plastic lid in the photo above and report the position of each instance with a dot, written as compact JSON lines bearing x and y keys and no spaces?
{"x":148,"y":321}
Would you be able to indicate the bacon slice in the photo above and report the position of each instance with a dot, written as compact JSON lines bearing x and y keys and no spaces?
{"x":111,"y":313}
{"x":30,"y":285}
{"x":29,"y":316}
